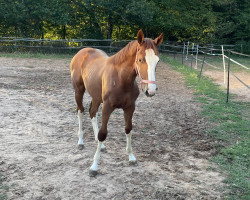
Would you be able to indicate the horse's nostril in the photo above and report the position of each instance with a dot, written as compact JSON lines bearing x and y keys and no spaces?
{"x":156,"y":89}
{"x":146,"y":92}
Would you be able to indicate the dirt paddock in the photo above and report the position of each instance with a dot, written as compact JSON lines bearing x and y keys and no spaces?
{"x":39,"y":158}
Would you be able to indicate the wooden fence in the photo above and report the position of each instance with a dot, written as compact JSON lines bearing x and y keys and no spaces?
{"x":12,"y":44}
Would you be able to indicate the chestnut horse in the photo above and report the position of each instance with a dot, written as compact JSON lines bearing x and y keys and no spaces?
{"x":112,"y":81}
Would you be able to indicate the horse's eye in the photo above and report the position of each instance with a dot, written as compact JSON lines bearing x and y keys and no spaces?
{"x":140,"y":60}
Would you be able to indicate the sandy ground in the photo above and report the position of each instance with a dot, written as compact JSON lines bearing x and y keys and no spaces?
{"x":39,"y":158}
{"x":235,"y":86}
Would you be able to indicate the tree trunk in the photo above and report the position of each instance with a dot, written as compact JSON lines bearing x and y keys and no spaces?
{"x":110,"y":28}
{"x":64,"y":32}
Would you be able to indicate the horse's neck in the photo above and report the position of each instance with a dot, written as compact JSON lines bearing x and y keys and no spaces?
{"x":124,"y":62}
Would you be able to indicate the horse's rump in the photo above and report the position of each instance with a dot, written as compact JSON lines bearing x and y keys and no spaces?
{"x":87,"y":68}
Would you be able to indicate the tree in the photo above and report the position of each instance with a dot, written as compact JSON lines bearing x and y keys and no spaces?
{"x":219,"y":21}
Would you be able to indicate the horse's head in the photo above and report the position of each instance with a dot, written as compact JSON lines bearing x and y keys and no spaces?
{"x":146,"y":61}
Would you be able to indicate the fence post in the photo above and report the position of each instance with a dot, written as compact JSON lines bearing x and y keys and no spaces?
{"x":196,"y":62}
{"x":110,"y":46}
{"x":15,"y":45}
{"x":187,"y":51}
{"x":211,"y":50}
{"x":228,"y":70}
{"x":202,"y":66}
{"x":183,"y":53}
{"x":223,"y":60}
{"x":191,"y":65}
{"x":192,"y":55}
{"x":51,"y":46}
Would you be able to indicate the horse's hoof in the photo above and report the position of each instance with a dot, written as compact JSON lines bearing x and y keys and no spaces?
{"x":103,"y":149}
{"x":80,"y":146}
{"x":133,"y":162}
{"x":92,"y":173}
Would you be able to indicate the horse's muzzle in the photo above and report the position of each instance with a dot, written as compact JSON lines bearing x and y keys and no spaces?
{"x":149,"y":93}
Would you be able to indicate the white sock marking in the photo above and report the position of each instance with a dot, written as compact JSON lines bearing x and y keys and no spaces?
{"x":129,"y":148}
{"x":103,"y":146}
{"x":94,"y":166}
{"x":151,"y":60}
{"x":95,"y":127}
{"x":80,"y":132}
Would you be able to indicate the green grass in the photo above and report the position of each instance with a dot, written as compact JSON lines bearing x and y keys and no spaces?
{"x":3,"y":188}
{"x":36,"y":55}
{"x":231,"y":125}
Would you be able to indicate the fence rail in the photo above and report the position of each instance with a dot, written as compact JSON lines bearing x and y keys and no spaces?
{"x":47,"y":45}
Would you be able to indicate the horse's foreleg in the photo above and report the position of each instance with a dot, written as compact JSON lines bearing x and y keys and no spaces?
{"x":93,"y":115}
{"x":102,"y":134}
{"x":94,"y":167}
{"x":106,"y":112}
{"x":128,"y":114}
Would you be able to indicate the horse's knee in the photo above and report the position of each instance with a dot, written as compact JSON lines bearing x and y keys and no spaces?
{"x":102,"y":135}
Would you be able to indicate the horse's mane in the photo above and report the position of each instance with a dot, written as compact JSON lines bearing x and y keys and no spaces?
{"x":120,"y":57}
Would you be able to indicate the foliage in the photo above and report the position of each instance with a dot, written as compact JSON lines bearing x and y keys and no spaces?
{"x":231,"y":122}
{"x":221,"y":21}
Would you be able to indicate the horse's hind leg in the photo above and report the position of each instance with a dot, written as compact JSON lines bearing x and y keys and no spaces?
{"x":80,"y":131}
{"x":79,"y":97}
{"x":93,"y":115}
{"x":128,"y":114}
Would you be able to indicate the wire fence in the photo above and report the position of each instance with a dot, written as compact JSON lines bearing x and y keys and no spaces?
{"x":214,"y":56}
{"x":188,"y":53}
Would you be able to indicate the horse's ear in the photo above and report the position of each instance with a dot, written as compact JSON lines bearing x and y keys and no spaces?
{"x":159,"y":40}
{"x":140,"y":37}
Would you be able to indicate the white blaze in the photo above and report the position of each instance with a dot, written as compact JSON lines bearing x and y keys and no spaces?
{"x":151,"y":60}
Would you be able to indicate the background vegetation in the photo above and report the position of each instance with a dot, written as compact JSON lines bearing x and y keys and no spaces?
{"x":203,"y":21}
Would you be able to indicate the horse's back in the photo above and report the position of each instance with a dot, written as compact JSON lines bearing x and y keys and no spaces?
{"x":83,"y":56}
